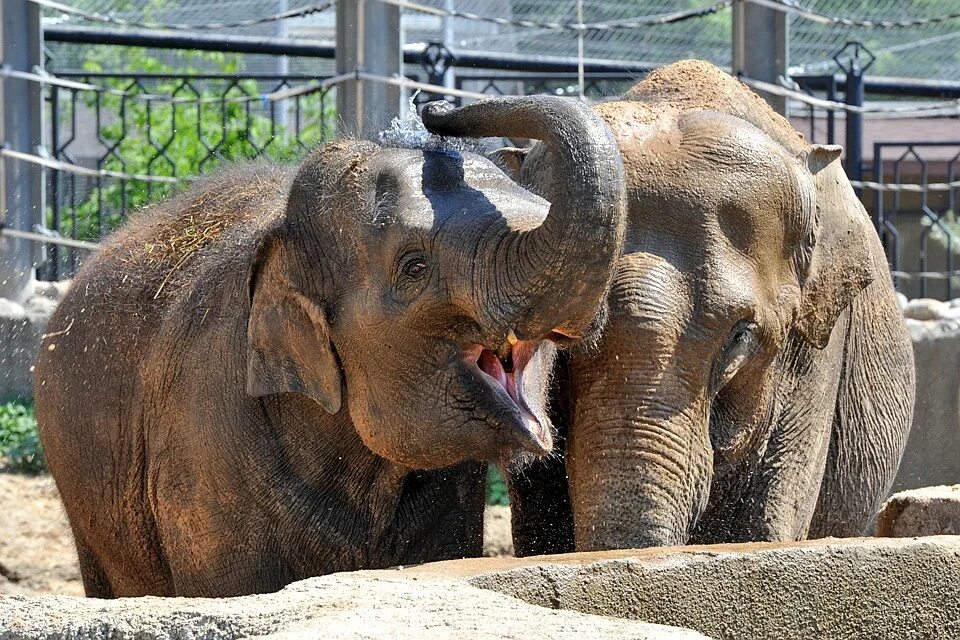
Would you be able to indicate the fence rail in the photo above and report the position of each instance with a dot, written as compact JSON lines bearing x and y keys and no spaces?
{"x":119,"y":140}
{"x":135,"y":141}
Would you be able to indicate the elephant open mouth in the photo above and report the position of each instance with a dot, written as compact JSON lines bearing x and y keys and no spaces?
{"x":507,"y":372}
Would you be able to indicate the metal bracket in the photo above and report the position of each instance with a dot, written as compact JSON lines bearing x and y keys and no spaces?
{"x":855,"y":49}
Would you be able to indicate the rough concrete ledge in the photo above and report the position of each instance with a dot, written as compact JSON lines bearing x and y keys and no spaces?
{"x":929,"y":511}
{"x":855,"y":588}
{"x":368,"y":605}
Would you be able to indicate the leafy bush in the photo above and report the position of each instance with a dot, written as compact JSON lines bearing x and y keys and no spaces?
{"x":497,"y":493}
{"x":19,"y":441}
{"x":161,"y":138}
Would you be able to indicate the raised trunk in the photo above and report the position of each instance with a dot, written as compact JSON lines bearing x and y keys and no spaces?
{"x":561,"y":270}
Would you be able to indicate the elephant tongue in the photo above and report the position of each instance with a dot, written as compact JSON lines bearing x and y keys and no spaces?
{"x":491,"y":365}
{"x":507,"y":372}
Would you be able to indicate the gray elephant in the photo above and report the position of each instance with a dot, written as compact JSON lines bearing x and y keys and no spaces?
{"x":755,"y":380}
{"x":239,"y":390}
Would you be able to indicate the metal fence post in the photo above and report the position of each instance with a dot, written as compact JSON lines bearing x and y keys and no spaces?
{"x":761,"y":46}
{"x":368,"y":39}
{"x":21,"y":129}
{"x":853,"y":96}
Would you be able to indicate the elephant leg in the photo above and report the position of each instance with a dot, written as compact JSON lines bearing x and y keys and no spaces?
{"x":873,"y":416}
{"x":95,"y":581}
{"x":539,"y":496}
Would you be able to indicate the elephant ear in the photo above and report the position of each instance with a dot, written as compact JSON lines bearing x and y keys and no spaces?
{"x":510,"y":160}
{"x":839,"y":267}
{"x":288,"y":339}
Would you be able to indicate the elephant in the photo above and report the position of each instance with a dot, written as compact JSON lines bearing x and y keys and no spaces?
{"x":755,"y":380}
{"x":285,"y":372}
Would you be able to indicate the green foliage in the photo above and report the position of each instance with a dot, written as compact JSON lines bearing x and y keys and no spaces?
{"x":183,"y":139}
{"x":497,"y":493}
{"x":19,"y":441}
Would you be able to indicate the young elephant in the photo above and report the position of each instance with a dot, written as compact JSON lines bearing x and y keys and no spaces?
{"x":238,"y":389}
{"x":755,"y":380}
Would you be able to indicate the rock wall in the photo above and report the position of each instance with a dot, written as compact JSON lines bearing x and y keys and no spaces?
{"x":932,"y":456}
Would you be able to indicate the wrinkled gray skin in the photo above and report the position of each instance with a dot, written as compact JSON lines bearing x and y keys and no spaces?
{"x":237,"y":390}
{"x":755,"y":380}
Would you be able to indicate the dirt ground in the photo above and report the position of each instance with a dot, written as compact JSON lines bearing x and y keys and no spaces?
{"x":36,"y":548}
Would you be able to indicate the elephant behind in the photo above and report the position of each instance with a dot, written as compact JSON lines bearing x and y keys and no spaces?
{"x":280,"y":374}
{"x":755,"y":380}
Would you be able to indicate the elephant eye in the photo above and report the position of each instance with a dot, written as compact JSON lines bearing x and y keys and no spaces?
{"x":741,"y":345}
{"x":414,"y":266}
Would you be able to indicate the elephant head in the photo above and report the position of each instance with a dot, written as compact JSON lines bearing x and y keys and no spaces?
{"x":421,"y":291}
{"x":737,"y":255}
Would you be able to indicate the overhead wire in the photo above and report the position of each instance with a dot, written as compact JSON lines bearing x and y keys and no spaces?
{"x":93,"y":16}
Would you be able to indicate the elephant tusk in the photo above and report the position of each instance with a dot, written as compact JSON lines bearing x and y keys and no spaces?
{"x":512,"y":338}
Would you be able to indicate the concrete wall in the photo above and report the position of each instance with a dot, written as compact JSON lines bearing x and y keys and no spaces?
{"x":932,"y":456}
{"x":851,"y":589}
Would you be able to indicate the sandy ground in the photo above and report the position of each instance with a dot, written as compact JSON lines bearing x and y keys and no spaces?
{"x":36,"y":548}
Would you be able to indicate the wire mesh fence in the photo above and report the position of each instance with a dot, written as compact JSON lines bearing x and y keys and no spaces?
{"x":140,"y":120}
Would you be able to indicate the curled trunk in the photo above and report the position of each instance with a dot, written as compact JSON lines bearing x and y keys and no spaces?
{"x":560,"y":270}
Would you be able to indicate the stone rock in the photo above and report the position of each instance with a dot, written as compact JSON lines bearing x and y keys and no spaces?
{"x":921,"y":512}
{"x":372,"y":604}
{"x":21,"y":327}
{"x":950,"y":313}
{"x":902,"y":301}
{"x":924,"y":309}
{"x":852,"y":588}
{"x":11,"y":310}
{"x":40,"y":308}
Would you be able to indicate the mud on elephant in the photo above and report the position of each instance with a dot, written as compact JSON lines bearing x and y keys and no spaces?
{"x":238,"y":390}
{"x":755,"y":380}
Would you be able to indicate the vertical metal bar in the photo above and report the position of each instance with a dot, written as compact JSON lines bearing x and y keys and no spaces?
{"x":54,"y":272}
{"x":761,"y":46}
{"x":580,"y":48}
{"x":368,"y":39}
{"x":854,"y":121}
{"x":21,"y":128}
{"x":831,"y":114}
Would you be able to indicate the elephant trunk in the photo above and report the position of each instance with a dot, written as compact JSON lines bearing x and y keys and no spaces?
{"x":558,"y":273}
{"x":640,"y":480}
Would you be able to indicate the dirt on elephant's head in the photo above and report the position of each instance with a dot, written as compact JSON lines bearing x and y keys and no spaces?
{"x":169,"y":235}
{"x":694,"y":84}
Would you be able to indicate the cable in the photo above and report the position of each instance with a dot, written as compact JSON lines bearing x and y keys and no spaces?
{"x":399,"y":81}
{"x":823,"y":18}
{"x":49,"y":239}
{"x":632,"y":23}
{"x":42,"y":77}
{"x":945,"y":108}
{"x":83,"y":171}
{"x":123,"y":22}
{"x":926,"y":275}
{"x":913,"y":188}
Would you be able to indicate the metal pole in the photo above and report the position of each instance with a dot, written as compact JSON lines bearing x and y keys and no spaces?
{"x":21,"y":129}
{"x":368,"y":39}
{"x":854,"y":59}
{"x":761,"y":46}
